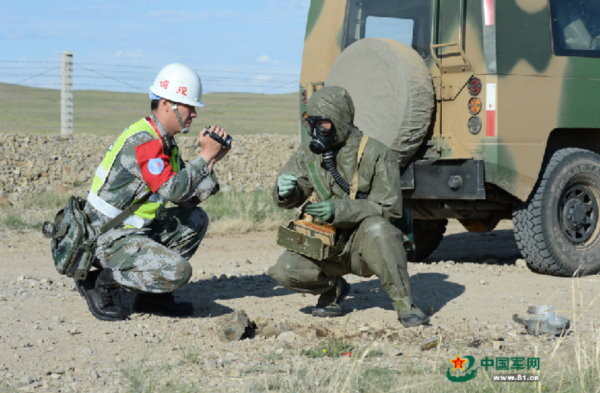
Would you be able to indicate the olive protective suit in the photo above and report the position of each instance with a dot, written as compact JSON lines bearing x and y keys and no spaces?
{"x":366,"y":242}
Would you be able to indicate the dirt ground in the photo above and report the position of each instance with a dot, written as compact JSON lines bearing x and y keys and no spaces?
{"x":472,"y":285}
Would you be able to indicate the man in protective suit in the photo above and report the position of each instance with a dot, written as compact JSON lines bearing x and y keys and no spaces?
{"x":358,"y":200}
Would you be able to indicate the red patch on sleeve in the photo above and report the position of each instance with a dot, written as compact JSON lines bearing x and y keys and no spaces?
{"x":154,"y":172}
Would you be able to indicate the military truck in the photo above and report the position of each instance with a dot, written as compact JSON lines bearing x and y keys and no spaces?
{"x":492,"y":105}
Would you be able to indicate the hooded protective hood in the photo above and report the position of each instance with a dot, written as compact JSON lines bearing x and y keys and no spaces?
{"x":334,"y":103}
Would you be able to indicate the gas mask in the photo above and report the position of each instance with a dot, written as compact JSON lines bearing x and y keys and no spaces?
{"x":322,"y":139}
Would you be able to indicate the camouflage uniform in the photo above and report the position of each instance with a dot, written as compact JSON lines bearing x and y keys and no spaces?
{"x":153,"y":258}
{"x":370,"y":244}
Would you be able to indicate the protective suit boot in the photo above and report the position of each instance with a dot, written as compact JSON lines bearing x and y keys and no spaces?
{"x":329,"y":304}
{"x":162,"y":304}
{"x":410,"y":316}
{"x":102,"y":294}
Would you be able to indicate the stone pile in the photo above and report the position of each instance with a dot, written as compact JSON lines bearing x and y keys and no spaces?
{"x":32,"y":164}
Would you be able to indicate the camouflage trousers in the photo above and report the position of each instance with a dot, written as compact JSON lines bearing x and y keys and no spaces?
{"x":154,"y":260}
{"x":375,"y":247}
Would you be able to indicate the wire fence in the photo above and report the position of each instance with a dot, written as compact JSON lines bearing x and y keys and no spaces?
{"x":137,"y":78}
{"x":30,"y":98}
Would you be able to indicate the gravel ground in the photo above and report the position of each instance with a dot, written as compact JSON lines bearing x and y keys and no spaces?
{"x":472,"y":285}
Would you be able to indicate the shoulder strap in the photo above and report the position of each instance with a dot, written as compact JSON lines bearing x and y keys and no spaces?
{"x":315,"y":180}
{"x":124,"y":214}
{"x":354,"y":183}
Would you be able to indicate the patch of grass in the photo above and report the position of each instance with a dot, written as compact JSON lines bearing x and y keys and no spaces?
{"x":273,"y":357}
{"x":32,"y":211}
{"x":7,"y":389}
{"x":13,"y":222}
{"x":377,"y":379}
{"x":274,"y":383}
{"x":142,"y":378}
{"x":47,"y":200}
{"x":244,"y":211}
{"x":568,"y":369}
{"x":191,"y":357}
{"x":229,"y":212}
{"x":332,"y":376}
{"x":332,"y":348}
{"x":336,"y":348}
{"x":240,"y":113}
{"x":139,"y":380}
{"x":372,"y":353}
{"x":306,"y":378}
{"x":584,"y":381}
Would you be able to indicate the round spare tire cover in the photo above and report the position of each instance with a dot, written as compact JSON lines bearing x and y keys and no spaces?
{"x":392,"y":92}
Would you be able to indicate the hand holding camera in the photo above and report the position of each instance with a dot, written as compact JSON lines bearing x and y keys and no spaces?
{"x":214,"y":143}
{"x":225,"y":142}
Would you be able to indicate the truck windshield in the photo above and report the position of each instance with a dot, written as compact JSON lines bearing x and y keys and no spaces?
{"x":576,"y":27}
{"x":406,"y":21}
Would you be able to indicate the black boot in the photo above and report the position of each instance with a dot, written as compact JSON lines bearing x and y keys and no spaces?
{"x":412,"y":317}
{"x":162,"y":304}
{"x":330,"y":302}
{"x":102,"y":294}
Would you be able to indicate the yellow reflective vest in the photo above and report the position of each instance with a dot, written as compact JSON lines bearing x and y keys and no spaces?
{"x":145,"y":213}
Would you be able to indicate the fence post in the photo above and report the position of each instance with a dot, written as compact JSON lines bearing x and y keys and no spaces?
{"x":66,"y":94}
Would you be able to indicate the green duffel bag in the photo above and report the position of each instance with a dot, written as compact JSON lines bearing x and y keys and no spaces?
{"x":73,"y":239}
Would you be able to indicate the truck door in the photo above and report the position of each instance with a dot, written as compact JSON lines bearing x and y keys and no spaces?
{"x":456,"y":33}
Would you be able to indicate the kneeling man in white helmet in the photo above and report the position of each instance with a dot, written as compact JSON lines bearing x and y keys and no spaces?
{"x":142,"y":170}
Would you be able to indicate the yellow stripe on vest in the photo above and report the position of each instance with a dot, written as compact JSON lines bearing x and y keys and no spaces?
{"x":147,"y":211}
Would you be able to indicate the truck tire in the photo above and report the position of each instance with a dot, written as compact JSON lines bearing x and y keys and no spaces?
{"x":557,"y":229}
{"x":428,"y":235}
{"x":392,"y":92}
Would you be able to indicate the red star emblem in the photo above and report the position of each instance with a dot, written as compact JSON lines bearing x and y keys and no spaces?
{"x":458,"y":362}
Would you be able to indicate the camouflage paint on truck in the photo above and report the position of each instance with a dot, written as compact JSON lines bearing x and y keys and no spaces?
{"x":322,"y":45}
{"x":538,"y":63}
{"x":530,"y":83}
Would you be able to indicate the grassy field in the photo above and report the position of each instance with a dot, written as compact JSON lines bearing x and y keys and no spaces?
{"x":361,"y":373}
{"x":37,"y":111}
{"x":230,"y":212}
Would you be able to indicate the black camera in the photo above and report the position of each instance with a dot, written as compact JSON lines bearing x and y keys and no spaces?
{"x":224,"y":142}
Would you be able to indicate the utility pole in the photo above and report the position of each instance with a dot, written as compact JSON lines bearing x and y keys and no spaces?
{"x":66,"y":94}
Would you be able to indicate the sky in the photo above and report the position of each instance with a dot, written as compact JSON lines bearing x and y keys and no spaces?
{"x":235,"y":45}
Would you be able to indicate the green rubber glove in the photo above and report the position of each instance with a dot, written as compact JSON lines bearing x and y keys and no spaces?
{"x":323,"y":210}
{"x":286,"y":185}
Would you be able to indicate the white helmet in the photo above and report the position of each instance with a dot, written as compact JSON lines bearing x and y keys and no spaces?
{"x":178,"y":83}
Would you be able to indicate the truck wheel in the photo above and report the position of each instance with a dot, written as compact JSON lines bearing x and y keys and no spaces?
{"x":392,"y":92}
{"x":428,"y":235}
{"x":557,"y":229}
